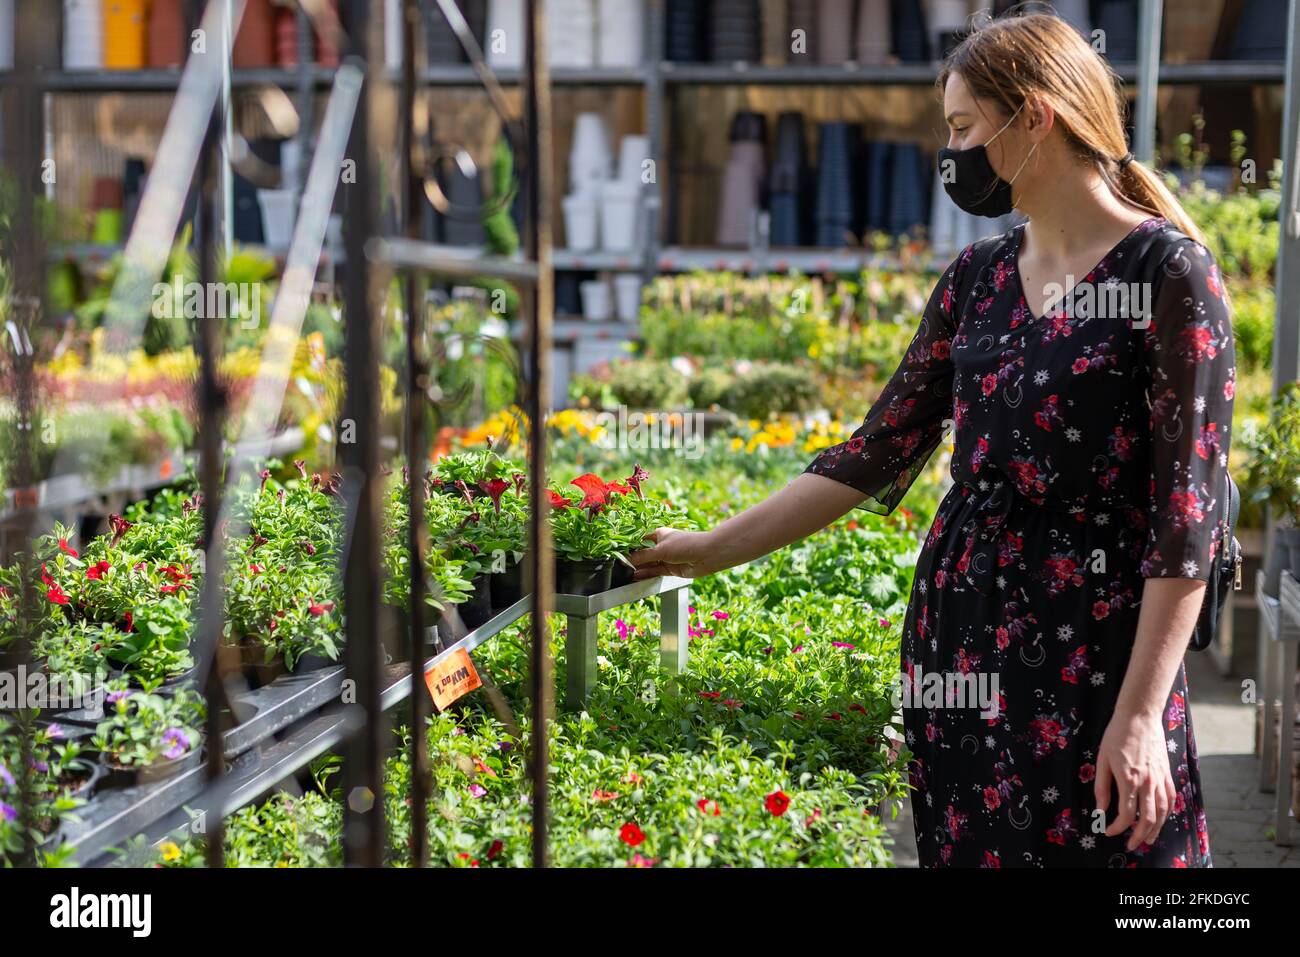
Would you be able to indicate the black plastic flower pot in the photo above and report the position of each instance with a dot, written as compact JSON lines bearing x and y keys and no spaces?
{"x":477,"y":609}
{"x":621,"y":575}
{"x":588,"y":577}
{"x":312,"y":663}
{"x":117,"y":776}
{"x":84,"y":779}
{"x":507,"y":586}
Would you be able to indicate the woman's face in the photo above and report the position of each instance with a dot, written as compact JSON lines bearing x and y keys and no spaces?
{"x":974,"y":122}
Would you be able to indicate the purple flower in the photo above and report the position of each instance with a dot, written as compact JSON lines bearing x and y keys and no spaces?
{"x":504,"y":746}
{"x":478,"y":790}
{"x":7,"y":812}
{"x":621,"y":625}
{"x":113,"y":697}
{"x":6,"y":777}
{"x":178,"y":743}
{"x":55,"y":732}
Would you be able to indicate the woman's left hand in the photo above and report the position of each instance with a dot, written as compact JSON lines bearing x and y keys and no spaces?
{"x":1134,"y":755}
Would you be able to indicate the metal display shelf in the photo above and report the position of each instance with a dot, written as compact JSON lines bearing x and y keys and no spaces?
{"x":69,"y":491}
{"x":1279,"y":626}
{"x":299,"y":717}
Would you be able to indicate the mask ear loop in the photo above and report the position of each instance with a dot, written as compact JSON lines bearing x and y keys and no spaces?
{"x":1023,"y":162}
{"x":984,"y":146}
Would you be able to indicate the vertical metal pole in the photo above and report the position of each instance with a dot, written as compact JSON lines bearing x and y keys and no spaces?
{"x":654,"y":115}
{"x":674,"y":629}
{"x":579,"y":659}
{"x":416,"y":445}
{"x":363,"y":822}
{"x":1286,"y":330}
{"x":22,"y":141}
{"x":539,"y":303}
{"x":1148,"y":88}
{"x":212,"y":402}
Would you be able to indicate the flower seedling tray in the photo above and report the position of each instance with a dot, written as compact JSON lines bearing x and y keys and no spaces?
{"x":298,"y":717}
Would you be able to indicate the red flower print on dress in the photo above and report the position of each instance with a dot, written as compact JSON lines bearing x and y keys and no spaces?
{"x":1047,"y":731}
{"x":1176,"y":713}
{"x":1077,"y":666}
{"x":1185,"y":508}
{"x":954,"y":823}
{"x":1087,"y":772}
{"x":1197,"y":343}
{"x":897,"y":413}
{"x":941,"y":349}
{"x":1049,"y":412}
{"x":1207,"y":443}
{"x":1063,"y":829}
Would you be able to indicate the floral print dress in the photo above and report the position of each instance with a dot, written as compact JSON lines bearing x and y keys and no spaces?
{"x":1089,"y":454}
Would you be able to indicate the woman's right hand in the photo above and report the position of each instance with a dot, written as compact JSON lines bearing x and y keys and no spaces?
{"x":676,"y":552}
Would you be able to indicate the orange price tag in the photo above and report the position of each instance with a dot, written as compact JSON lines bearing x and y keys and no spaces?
{"x":451,"y":678}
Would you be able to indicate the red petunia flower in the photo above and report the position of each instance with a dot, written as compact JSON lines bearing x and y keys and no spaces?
{"x":320,"y":609}
{"x":96,"y":571}
{"x":599,"y":795}
{"x":494,"y":850}
{"x":67,"y":549}
{"x":710,"y":808}
{"x":56,"y":595}
{"x":777,"y":803}
{"x":631,"y":835}
{"x":495,"y":489}
{"x":638,"y":476}
{"x":557,"y":500}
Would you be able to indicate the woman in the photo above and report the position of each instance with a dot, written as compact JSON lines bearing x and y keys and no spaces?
{"x":1090,"y":421}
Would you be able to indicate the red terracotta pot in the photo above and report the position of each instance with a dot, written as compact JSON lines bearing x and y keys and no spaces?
{"x":166,"y":34}
{"x":255,"y":41}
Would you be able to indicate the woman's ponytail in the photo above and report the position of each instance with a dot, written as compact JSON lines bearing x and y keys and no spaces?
{"x":1146,"y":189}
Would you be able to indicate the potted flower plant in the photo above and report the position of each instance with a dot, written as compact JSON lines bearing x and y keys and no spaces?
{"x":1274,"y":478}
{"x":148,"y":737}
{"x":585,"y":535}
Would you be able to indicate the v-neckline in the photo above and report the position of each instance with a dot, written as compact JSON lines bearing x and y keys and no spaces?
{"x":1068,"y":295}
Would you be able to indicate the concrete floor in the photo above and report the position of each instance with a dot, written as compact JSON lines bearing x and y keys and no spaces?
{"x":1239,"y":814}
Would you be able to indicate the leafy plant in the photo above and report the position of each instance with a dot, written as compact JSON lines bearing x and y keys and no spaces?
{"x":147,"y":728}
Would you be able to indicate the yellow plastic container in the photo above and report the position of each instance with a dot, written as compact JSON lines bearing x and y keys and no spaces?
{"x":126,"y":33}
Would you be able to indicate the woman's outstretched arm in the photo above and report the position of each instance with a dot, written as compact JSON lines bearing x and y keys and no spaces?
{"x":806,"y":505}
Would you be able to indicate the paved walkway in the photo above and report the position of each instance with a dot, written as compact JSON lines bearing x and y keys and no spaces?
{"x":1240,"y":815}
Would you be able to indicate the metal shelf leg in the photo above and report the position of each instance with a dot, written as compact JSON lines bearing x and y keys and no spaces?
{"x":674,"y":629}
{"x":579,"y":660}
{"x":1286,"y":746}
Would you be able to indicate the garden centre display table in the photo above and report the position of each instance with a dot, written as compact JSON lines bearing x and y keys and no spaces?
{"x":298,"y":717}
{"x":1279,"y":636}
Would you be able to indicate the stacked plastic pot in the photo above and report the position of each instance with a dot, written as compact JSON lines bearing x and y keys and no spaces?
{"x":83,"y":34}
{"x":742,"y":181}
{"x":6,"y":34}
{"x":837,"y":144}
{"x":788,"y":181}
{"x":603,"y":208}
{"x":125,"y":28}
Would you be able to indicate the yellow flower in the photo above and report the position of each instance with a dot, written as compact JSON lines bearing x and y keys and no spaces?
{"x":170,"y":851}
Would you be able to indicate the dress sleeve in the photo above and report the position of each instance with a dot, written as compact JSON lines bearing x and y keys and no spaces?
{"x":1191,"y":361}
{"x":883,"y":457}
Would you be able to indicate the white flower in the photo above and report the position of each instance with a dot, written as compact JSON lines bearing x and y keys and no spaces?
{"x":1040,"y":377}
{"x":1073,"y":434}
{"x":1001,"y":581}
{"x":1050,"y":795}
{"x":990,"y":742}
{"x":1199,"y":403}
{"x":1087,"y":842}
{"x":1190,"y":568}
{"x":1098,"y":679}
{"x":1101,"y":518}
{"x":1065,"y":633}
{"x":1172,"y":745}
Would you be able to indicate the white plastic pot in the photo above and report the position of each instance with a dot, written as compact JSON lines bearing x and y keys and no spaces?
{"x":582,"y":221}
{"x":590,"y":155}
{"x":83,"y":34}
{"x":571,"y":34}
{"x":633,"y":152}
{"x":278,"y":208}
{"x":620,"y":32}
{"x":627,"y":296}
{"x":6,"y":34}
{"x":505,"y":34}
{"x":619,"y":206}
{"x":597,"y":303}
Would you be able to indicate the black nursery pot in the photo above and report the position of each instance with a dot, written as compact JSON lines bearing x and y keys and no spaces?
{"x":507,"y":586}
{"x":116,"y":776}
{"x":477,"y":609}
{"x":621,"y":575}
{"x":583,"y":578}
{"x":87,"y":782}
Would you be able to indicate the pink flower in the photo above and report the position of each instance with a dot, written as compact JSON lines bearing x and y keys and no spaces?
{"x":478,"y":790}
{"x":721,"y":615}
{"x":842,"y":644}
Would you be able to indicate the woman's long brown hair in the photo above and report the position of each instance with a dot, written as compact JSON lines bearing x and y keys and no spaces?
{"x":1014,"y":58}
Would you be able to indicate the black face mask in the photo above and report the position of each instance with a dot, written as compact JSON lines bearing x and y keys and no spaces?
{"x":971,"y":182}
